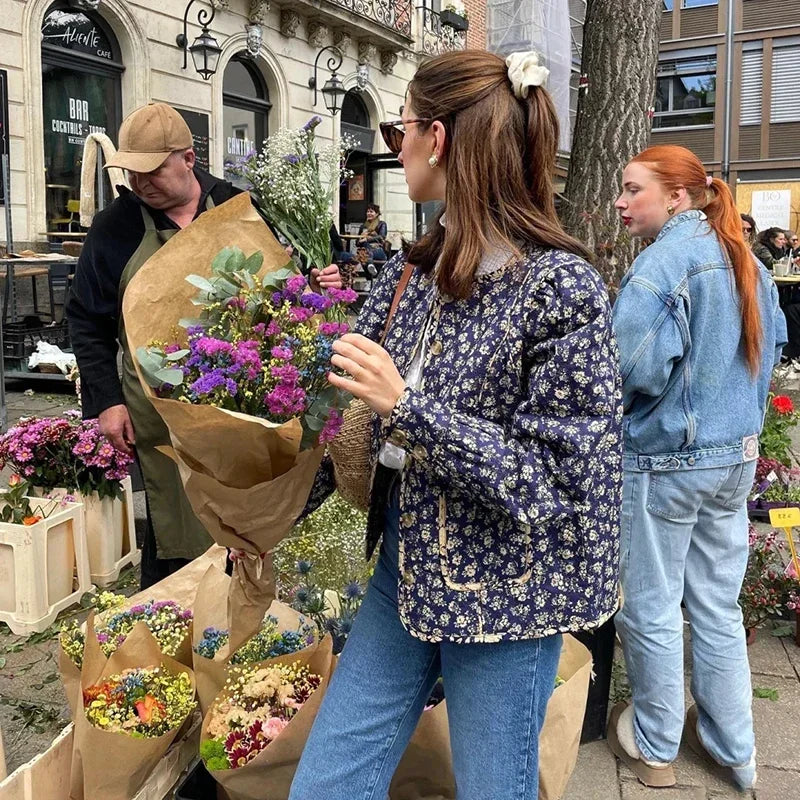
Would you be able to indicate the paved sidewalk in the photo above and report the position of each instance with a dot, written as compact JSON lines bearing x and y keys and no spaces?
{"x":775,"y":664}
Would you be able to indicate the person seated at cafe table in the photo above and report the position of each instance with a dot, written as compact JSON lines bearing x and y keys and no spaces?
{"x":770,"y":246}
{"x":373,"y":234}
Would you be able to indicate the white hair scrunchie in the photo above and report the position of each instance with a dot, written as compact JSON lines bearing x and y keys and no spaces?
{"x":524,"y":71}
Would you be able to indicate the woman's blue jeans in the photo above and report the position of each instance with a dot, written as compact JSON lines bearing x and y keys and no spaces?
{"x":684,"y":537}
{"x":496,"y":701}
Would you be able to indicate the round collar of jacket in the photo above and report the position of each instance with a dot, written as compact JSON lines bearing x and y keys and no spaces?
{"x":684,"y":216}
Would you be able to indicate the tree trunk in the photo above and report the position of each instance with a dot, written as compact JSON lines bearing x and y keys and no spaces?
{"x":620,"y":56}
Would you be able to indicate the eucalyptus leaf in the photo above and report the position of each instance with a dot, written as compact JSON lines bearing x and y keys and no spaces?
{"x":313,"y":422}
{"x":253,"y":262}
{"x":221,"y":258}
{"x":172,"y":376}
{"x":235,"y":260}
{"x":189,"y":322}
{"x":177,"y":355}
{"x":201,"y":283}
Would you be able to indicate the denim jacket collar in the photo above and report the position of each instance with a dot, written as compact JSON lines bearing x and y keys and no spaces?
{"x":678,"y":219}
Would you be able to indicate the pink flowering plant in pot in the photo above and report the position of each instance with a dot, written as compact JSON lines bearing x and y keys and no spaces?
{"x":261,"y":346}
{"x":65,"y":452}
{"x":770,"y":587}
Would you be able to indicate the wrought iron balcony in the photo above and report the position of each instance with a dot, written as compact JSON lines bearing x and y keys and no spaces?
{"x":392,"y":14}
{"x":437,"y":38}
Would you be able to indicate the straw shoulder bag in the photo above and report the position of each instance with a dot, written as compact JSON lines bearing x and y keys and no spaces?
{"x":350,"y":449}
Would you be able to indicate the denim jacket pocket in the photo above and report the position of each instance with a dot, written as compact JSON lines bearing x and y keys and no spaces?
{"x":673,"y":495}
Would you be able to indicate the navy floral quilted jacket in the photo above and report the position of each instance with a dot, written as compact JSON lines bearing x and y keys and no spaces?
{"x":509,"y":500}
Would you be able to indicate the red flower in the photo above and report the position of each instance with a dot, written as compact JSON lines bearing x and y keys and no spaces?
{"x":783,"y":404}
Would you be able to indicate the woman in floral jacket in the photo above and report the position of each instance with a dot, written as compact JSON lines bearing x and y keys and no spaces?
{"x":497,"y":439}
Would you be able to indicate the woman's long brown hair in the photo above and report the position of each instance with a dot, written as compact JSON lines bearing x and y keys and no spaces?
{"x":676,"y":167}
{"x":500,"y":158}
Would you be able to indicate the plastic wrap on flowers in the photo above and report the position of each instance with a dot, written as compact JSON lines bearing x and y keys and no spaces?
{"x":247,"y":479}
{"x":266,"y":769}
{"x":210,"y":617}
{"x":112,"y":757}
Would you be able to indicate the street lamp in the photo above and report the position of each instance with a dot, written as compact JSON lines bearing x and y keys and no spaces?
{"x":205,"y":49}
{"x":333,"y":91}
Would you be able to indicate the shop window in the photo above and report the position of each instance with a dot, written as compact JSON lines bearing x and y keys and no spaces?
{"x":685,"y":93}
{"x":785,"y":99}
{"x":245,"y":112}
{"x":81,"y":72}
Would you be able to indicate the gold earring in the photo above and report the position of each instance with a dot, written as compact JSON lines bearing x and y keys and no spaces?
{"x":670,"y":210}
{"x":433,"y":160}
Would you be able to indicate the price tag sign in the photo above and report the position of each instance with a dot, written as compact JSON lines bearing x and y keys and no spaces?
{"x":784,"y":517}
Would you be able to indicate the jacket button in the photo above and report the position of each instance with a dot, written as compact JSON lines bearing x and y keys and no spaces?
{"x":406,"y":519}
{"x":690,"y":460}
{"x":399,"y":438}
{"x":436,"y":348}
{"x":420,"y":452}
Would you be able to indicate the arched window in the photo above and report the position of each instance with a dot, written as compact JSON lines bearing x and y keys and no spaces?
{"x":81,"y":69}
{"x":245,"y":110}
{"x":354,"y":110}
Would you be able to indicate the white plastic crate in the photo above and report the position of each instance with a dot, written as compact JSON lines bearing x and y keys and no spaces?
{"x":44,"y":568}
{"x":110,"y":533}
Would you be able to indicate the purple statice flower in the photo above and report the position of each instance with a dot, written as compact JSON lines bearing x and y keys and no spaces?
{"x":277,"y":298}
{"x":172,"y":348}
{"x":273,"y":329}
{"x":291,"y":158}
{"x":207,"y":383}
{"x":343,"y":295}
{"x":237,"y":302}
{"x":312,"y":123}
{"x":286,"y":400}
{"x":333,"y":328}
{"x":259,"y":329}
{"x":318,"y":302}
{"x":299,"y":314}
{"x":282,"y":353}
{"x":246,"y":359}
{"x":332,"y":426}
{"x":286,"y":373}
{"x":211,"y":347}
{"x":195,"y":330}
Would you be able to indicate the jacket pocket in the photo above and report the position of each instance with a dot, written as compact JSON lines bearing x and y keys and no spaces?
{"x":480,"y":549}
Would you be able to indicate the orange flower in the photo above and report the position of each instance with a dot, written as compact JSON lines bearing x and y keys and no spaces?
{"x":32,"y":520}
{"x":146,"y":707}
{"x":14,"y":480}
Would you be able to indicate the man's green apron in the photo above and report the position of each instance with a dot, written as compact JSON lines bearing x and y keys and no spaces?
{"x":179,"y":533}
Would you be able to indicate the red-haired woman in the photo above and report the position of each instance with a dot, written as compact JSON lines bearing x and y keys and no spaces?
{"x":699,"y":330}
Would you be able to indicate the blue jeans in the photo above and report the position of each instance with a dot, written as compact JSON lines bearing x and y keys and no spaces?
{"x":684,"y":537}
{"x":496,"y":701}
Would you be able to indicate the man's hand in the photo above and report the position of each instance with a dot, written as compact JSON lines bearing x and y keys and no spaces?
{"x":328,"y":278}
{"x":116,"y":426}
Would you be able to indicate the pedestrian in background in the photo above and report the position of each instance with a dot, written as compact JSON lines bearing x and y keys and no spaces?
{"x":699,"y":331}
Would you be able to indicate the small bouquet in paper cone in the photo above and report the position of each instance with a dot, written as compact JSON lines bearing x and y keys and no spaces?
{"x":167,"y":621}
{"x":131,"y":707}
{"x":247,"y":470}
{"x":255,"y":730}
{"x":283,"y":632}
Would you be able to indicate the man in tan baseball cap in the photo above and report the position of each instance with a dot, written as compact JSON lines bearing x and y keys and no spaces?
{"x":168,"y":191}
{"x":149,"y":136}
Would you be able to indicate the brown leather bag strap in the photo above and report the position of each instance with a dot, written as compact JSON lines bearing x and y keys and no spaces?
{"x":398,"y":293}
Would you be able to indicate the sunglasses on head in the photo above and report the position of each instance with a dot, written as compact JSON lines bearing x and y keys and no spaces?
{"x":393,"y":133}
{"x":747,"y":229}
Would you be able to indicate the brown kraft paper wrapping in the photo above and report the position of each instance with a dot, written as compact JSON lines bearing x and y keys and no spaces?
{"x":561,"y":732}
{"x":271,"y":772}
{"x":245,"y":477}
{"x":425,"y":771}
{"x":113,"y":766}
{"x":210,"y":610}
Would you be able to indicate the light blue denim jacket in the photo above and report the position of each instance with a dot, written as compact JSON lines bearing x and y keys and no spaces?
{"x":690,"y":401}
